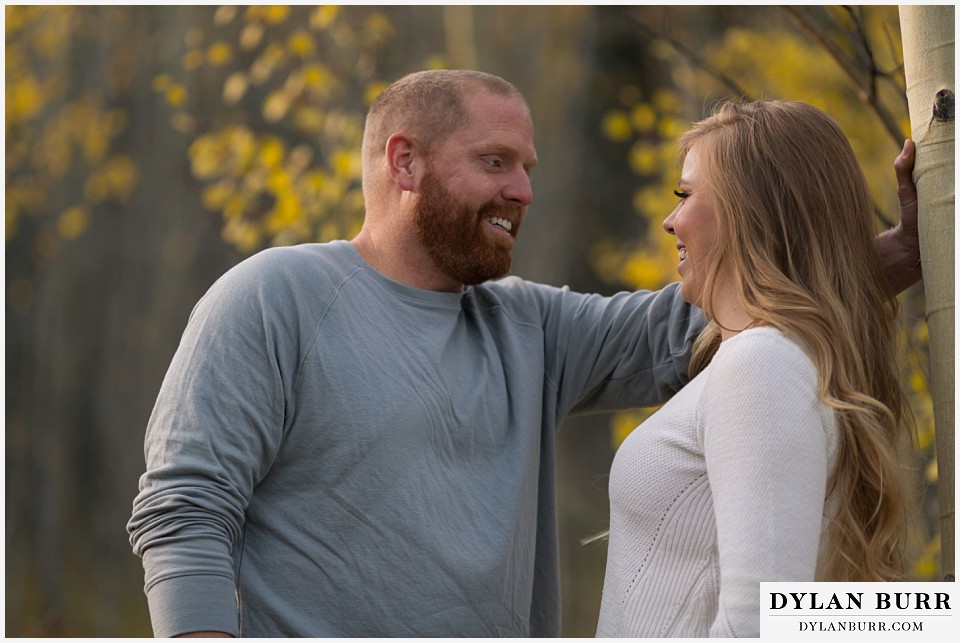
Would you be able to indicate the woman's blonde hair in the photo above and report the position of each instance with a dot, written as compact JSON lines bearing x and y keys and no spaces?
{"x":796,"y":227}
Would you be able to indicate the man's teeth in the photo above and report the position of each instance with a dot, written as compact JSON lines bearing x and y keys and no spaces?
{"x":683,"y":254}
{"x":503,"y":223}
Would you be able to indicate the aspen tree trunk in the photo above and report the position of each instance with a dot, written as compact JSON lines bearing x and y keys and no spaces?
{"x":928,"y":56}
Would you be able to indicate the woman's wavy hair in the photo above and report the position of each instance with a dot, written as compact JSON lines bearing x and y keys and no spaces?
{"x":796,"y":227}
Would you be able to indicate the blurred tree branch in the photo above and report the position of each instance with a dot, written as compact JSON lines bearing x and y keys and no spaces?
{"x":860,"y":67}
{"x":696,"y":60}
{"x":862,"y":73}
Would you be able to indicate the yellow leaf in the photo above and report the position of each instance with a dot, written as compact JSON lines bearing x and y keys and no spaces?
{"x":918,"y":381}
{"x":224,"y":15}
{"x":671,"y":128}
{"x":616,"y":126}
{"x":643,"y":159}
{"x":11,"y":216}
{"x":242,"y":145}
{"x":219,"y":54}
{"x":242,"y":235}
{"x":251,"y":36}
{"x":346,"y":163}
{"x":73,"y":222}
{"x":643,"y":118}
{"x":206,"y":155}
{"x":265,"y":64}
{"x":120,"y":175}
{"x":214,"y":196}
{"x":300,"y":43}
{"x":234,"y":206}
{"x":276,"y":14}
{"x":314,"y":180}
{"x":271,"y":153}
{"x":322,"y":17}
{"x":176,"y":95}
{"x":641,"y":271}
{"x":275,"y":53}
{"x":316,"y":76}
{"x":279,"y":181}
{"x":931,"y":475}
{"x":623,"y":423}
{"x":24,"y":100}
{"x":285,"y":213}
{"x":235,"y":87}
{"x":275,"y":107}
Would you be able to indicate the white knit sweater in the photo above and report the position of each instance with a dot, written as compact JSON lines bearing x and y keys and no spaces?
{"x":720,"y":489}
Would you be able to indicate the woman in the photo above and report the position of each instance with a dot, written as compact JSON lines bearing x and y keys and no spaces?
{"x":777,"y":462}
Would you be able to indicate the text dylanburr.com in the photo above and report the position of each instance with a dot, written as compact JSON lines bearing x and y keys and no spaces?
{"x":805,"y":611}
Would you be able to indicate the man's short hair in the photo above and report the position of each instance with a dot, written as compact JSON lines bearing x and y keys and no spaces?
{"x":429,"y":105}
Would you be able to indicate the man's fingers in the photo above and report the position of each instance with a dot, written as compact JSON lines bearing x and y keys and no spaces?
{"x":904,"y":168}
{"x":906,"y":189}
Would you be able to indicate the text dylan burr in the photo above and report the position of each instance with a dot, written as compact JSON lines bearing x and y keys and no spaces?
{"x":855,"y":601}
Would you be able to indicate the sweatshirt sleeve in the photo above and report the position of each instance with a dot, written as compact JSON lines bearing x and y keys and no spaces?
{"x":213,"y":433}
{"x":628,"y":350}
{"x":766,"y":446}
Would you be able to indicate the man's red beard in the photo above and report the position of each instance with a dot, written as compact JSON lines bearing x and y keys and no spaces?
{"x":452,"y":232}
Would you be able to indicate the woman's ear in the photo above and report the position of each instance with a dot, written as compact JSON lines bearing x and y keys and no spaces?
{"x":401,"y":152}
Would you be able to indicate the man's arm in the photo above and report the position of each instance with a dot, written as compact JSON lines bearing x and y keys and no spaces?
{"x":213,"y":434}
{"x":900,"y":246}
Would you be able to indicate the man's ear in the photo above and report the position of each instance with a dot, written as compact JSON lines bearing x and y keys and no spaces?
{"x":401,"y":153}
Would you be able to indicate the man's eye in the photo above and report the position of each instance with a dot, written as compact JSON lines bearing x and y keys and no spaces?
{"x":495,"y":163}
{"x":682,"y":195}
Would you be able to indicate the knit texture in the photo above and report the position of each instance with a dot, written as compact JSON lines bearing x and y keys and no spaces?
{"x":720,"y":489}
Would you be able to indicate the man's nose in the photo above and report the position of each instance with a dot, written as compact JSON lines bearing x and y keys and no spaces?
{"x":519,"y":190}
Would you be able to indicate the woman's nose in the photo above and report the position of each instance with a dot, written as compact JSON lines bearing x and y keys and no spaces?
{"x":668,"y":224}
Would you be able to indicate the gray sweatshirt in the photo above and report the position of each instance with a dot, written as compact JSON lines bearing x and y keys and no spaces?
{"x":336,"y":454}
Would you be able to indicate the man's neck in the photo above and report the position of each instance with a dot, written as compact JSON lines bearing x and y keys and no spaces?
{"x":402,"y":260}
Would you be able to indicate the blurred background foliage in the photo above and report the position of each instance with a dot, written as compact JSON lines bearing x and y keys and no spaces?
{"x":150,"y":148}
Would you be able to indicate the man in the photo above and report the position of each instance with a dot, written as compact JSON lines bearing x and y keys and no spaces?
{"x":357,"y":438}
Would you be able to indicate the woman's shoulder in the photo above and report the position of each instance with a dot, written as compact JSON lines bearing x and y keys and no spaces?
{"x":762,"y":378}
{"x":762,"y":343}
{"x":763,"y":356}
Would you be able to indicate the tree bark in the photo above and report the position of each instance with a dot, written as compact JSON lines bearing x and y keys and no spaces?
{"x":928,"y":57}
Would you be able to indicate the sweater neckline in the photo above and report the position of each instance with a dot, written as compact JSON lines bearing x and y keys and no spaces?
{"x":772,"y":331}
{"x":419,"y":295}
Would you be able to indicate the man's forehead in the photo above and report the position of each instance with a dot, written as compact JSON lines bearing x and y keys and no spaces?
{"x":493,"y":114}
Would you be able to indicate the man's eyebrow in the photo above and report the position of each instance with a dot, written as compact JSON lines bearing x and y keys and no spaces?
{"x":505,"y":150}
{"x":496,"y":148}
